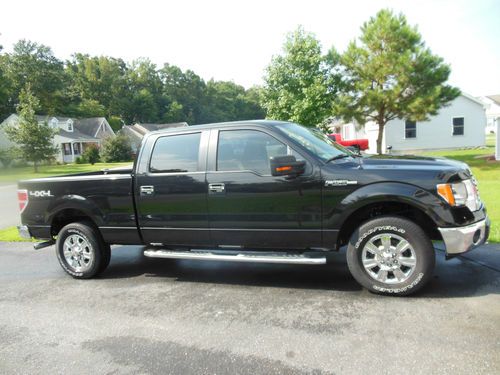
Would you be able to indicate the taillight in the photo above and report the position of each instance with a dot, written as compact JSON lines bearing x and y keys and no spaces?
{"x":22,"y":198}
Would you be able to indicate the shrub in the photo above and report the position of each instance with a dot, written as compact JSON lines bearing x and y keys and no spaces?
{"x":8,"y":155}
{"x":79,"y":160}
{"x":116,"y":149}
{"x":91,"y":154}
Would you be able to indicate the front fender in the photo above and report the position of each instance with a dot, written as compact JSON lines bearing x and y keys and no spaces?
{"x":336,"y":213}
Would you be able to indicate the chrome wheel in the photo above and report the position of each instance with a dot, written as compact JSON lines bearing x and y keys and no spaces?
{"x":78,"y":253}
{"x":389,"y":258}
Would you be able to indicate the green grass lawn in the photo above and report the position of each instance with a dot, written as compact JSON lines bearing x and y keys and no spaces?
{"x":16,"y":174}
{"x":487,"y":174}
{"x":10,"y":235}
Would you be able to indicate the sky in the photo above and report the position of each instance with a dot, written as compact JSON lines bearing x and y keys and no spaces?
{"x":235,"y":40}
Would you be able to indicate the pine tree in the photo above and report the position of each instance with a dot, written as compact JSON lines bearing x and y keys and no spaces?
{"x":34,"y":140}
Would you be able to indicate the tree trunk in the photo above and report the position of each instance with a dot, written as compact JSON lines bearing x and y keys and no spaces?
{"x":380,"y":137}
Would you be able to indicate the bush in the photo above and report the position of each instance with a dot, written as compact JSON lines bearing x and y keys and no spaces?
{"x":116,"y":149}
{"x":79,"y":160}
{"x":91,"y":154}
{"x":8,"y":155}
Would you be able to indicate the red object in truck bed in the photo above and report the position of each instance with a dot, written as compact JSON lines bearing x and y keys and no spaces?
{"x":362,"y":144}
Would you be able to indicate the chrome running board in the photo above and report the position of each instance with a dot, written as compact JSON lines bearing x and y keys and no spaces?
{"x":238,"y":256}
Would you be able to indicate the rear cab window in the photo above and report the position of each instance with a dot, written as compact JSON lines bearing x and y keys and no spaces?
{"x":176,"y":154}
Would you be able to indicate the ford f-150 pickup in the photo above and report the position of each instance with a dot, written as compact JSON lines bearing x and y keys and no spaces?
{"x":261,"y":191}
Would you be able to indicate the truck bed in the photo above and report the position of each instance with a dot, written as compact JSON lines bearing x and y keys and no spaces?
{"x":105,"y":195}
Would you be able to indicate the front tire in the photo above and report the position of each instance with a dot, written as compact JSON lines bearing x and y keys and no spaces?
{"x":391,"y":255}
{"x":81,"y":250}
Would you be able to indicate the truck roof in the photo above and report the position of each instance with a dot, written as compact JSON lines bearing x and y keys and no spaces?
{"x":266,"y":123}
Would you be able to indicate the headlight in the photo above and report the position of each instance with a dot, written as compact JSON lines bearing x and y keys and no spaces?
{"x":462,"y":193}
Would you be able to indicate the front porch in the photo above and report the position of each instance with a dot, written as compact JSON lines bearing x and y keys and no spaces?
{"x":71,"y":150}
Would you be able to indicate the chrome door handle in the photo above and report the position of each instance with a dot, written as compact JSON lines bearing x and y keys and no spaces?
{"x":147,"y":190}
{"x":216,"y":188}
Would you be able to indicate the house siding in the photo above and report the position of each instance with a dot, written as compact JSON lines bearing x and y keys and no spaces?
{"x":438,"y":132}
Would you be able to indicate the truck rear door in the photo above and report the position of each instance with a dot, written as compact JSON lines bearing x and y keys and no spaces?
{"x":171,"y":189}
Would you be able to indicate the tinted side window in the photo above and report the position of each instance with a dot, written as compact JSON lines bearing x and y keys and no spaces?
{"x":240,"y":150}
{"x":176,"y":153}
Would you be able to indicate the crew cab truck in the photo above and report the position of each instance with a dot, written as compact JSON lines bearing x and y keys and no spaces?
{"x":261,"y":191}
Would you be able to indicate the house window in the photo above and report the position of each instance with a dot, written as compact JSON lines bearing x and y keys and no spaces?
{"x":410,"y":129}
{"x":76,"y":147}
{"x":458,"y":126}
{"x":70,"y":125}
{"x":66,"y":148}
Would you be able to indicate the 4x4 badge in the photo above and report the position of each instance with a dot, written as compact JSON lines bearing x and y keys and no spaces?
{"x":340,"y":182}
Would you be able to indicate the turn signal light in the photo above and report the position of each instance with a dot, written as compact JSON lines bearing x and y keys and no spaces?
{"x":283,"y":169}
{"x":446,"y":192}
{"x":22,"y":198}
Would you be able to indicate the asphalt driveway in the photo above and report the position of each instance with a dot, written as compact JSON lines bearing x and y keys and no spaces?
{"x":180,"y":317}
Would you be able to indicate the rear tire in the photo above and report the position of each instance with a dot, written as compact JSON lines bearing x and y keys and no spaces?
{"x":391,"y":255}
{"x":81,"y":250}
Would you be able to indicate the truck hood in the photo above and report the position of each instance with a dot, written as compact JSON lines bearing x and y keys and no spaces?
{"x":420,"y":171}
{"x":409,"y":162}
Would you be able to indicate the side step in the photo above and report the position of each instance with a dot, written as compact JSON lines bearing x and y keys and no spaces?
{"x":233,"y":256}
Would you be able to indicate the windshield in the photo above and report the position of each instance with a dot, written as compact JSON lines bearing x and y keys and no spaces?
{"x":314,"y":141}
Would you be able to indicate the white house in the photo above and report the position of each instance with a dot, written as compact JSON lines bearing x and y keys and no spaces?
{"x":73,"y":137}
{"x":460,"y":124}
{"x":492,"y":105}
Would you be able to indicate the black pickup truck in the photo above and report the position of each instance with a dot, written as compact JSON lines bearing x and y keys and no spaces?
{"x":262,"y":191}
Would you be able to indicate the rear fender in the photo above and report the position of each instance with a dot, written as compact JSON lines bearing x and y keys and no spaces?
{"x":75,"y":202}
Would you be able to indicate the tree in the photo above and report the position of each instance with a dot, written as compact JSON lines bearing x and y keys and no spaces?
{"x":5,"y":88}
{"x":33,"y":139}
{"x":301,"y":84}
{"x":35,"y":64}
{"x":91,"y":154}
{"x":392,"y":74}
{"x":7,"y":156}
{"x":116,"y":149}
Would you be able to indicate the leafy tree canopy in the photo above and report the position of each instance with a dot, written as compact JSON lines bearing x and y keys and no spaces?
{"x":300,"y":84}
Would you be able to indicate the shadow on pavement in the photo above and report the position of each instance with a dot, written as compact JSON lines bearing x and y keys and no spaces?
{"x":455,"y":278}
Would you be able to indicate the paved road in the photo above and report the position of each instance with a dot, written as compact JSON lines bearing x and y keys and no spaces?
{"x":182,"y":317}
{"x":9,"y":209}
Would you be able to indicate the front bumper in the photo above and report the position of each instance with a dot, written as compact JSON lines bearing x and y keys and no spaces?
{"x":459,"y":240}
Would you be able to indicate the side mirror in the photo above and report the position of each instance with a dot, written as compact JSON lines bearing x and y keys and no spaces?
{"x":286,"y":165}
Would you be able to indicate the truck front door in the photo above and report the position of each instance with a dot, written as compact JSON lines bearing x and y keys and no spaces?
{"x":248,"y":206}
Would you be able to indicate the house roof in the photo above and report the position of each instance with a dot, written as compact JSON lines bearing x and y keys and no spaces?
{"x":137,"y":131}
{"x":133,"y":134}
{"x":495,"y":98}
{"x":75,"y":135}
{"x":84,"y":129}
{"x":471,"y":98}
{"x":89,"y":125}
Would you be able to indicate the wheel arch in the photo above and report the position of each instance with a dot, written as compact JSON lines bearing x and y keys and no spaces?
{"x":387,"y":207}
{"x":65,"y":216}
